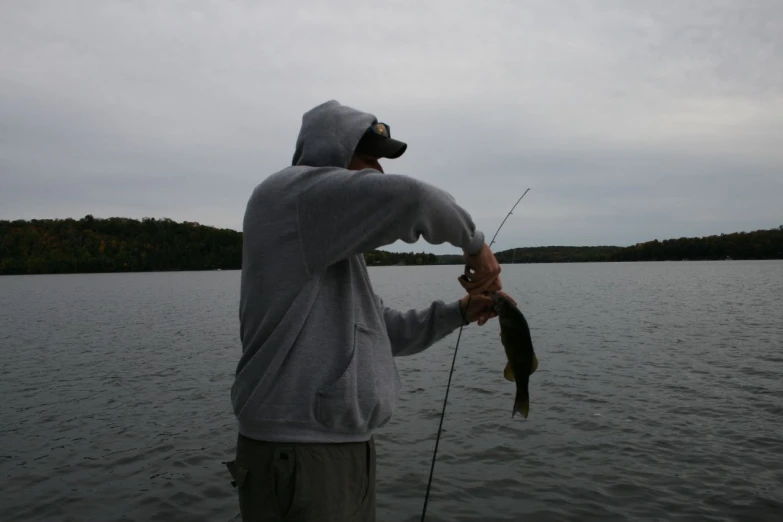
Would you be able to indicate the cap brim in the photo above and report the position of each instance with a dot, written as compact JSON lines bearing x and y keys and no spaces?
{"x":381,"y":147}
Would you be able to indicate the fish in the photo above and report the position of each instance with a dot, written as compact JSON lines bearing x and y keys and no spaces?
{"x":521,"y":360}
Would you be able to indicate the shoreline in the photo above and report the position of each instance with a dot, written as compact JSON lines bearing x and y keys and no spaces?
{"x":398,"y":266}
{"x":122,"y":245}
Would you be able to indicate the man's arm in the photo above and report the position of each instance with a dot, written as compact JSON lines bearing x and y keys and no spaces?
{"x":343,"y":213}
{"x":414,"y":331}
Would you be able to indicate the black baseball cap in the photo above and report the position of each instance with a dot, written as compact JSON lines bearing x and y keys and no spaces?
{"x":377,"y":141}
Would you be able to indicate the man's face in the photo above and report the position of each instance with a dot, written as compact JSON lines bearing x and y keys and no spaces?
{"x":361,"y":161}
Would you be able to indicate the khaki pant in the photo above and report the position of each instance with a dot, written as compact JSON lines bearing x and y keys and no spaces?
{"x":287,"y":482}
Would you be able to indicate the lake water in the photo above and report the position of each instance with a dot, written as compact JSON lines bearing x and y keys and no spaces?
{"x":659,"y":396}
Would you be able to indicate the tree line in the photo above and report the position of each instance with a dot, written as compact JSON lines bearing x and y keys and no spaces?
{"x":758,"y":244}
{"x":55,"y":246}
{"x":61,"y":246}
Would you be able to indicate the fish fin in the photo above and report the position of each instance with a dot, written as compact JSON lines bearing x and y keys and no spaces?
{"x":534,"y":365}
{"x":522,"y":406}
{"x":508,"y":373}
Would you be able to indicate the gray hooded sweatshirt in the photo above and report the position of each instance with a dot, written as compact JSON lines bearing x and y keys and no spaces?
{"x":318,"y":345}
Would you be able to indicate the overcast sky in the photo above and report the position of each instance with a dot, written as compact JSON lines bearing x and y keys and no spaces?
{"x":628,"y":120}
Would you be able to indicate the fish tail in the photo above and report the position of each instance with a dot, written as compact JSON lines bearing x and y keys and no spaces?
{"x":521,"y":405}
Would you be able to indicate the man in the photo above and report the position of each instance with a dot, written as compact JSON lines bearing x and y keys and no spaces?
{"x":317,"y":373}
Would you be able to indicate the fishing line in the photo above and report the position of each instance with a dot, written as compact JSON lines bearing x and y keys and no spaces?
{"x":442,"y":415}
{"x":451,"y":372}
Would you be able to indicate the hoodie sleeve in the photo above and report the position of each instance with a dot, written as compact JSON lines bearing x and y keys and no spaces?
{"x":414,"y":331}
{"x":342,"y":213}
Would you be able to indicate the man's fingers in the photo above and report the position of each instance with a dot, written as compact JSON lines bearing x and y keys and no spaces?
{"x":494,"y":286}
{"x":481,"y":273}
{"x":484,"y":309}
{"x":472,"y":279}
{"x":489,"y":315}
{"x":486,"y":284}
{"x":468,"y":285}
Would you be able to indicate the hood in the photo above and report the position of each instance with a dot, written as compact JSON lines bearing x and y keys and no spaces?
{"x":329,"y":135}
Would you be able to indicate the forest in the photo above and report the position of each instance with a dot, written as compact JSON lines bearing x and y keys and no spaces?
{"x":90,"y":245}
{"x":57,"y":246}
{"x":116,"y":244}
{"x":758,"y":244}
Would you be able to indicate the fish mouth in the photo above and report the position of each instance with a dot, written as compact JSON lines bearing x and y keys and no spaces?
{"x":497,"y":301}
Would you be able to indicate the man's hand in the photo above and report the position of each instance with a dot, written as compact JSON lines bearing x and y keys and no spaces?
{"x":482,"y":273}
{"x":477,"y":308}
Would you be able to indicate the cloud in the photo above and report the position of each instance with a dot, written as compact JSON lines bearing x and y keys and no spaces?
{"x":628,"y":120}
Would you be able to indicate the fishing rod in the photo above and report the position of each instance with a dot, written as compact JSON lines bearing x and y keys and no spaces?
{"x":507,"y":216}
{"x":448,"y":385}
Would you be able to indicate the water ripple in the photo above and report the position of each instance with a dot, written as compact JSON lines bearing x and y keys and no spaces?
{"x":658,"y":397}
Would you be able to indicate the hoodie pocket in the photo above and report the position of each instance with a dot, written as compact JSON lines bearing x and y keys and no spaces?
{"x":363,"y":397}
